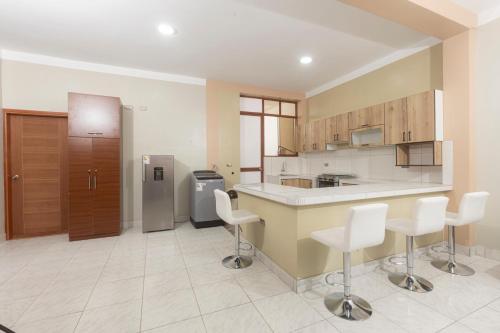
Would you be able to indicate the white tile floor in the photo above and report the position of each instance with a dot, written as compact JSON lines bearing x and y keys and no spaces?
{"x":173,"y":281}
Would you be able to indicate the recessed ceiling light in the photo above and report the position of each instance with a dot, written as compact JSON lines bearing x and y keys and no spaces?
{"x":306,"y":60}
{"x":166,"y":29}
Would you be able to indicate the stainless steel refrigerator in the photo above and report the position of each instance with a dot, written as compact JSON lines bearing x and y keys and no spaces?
{"x":157,"y":192}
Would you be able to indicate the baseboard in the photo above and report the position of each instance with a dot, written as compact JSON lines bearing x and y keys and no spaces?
{"x":302,"y":285}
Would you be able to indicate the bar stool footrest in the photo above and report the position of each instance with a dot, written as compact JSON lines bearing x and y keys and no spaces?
{"x":332,"y":275}
{"x":351,"y":308}
{"x":397,"y":260}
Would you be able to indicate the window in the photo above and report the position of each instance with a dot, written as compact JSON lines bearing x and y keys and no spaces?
{"x":267,"y":128}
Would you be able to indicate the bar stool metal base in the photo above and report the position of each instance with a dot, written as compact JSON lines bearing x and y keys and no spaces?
{"x":413,"y":283}
{"x":351,"y":308}
{"x":453,"y":267}
{"x":237,"y":262}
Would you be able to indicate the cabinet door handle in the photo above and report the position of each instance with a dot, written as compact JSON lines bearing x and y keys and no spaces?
{"x":90,"y":182}
{"x":404,"y":136}
{"x":364,"y":125}
{"x":95,"y":133}
{"x":95,"y":179}
{"x":409,"y":135}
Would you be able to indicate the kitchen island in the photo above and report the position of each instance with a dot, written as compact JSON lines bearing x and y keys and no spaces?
{"x":290,"y":215}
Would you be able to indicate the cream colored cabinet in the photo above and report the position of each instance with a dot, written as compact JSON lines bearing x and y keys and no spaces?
{"x":367,"y":117}
{"x":337,"y":128}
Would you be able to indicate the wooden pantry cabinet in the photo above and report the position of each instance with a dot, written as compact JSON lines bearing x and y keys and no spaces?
{"x":94,"y":154}
{"x":337,"y":129}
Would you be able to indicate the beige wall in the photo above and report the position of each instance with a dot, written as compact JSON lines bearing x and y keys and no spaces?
{"x":174,"y":123}
{"x":458,"y":69}
{"x":223,"y":124}
{"x":416,"y":73}
{"x":487,"y":133}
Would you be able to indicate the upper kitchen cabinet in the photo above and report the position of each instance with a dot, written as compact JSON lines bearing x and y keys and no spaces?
{"x":337,"y":129}
{"x":416,"y":118}
{"x":94,"y":116}
{"x":317,"y":135}
{"x":367,"y":117}
{"x":396,"y":122}
{"x":424,"y":118}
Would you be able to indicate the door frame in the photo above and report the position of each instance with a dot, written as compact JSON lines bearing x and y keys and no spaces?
{"x":6,"y":160}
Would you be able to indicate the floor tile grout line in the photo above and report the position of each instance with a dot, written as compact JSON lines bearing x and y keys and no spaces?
{"x":406,"y":293}
{"x":407,"y":296}
{"x":35,"y":298}
{"x":143,"y":281}
{"x":192,"y":287}
{"x":477,"y":310}
{"x":95,"y":284}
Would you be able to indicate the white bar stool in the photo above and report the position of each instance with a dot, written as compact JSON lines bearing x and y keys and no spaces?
{"x":471,"y":210}
{"x":234,"y":217}
{"x":428,"y":217}
{"x":365,"y":227}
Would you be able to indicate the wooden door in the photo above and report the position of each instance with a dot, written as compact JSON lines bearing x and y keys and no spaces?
{"x":106,"y":186}
{"x":80,"y":188}
{"x":396,"y":122}
{"x":94,"y":116}
{"x":36,"y":179}
{"x":331,"y":129}
{"x":421,"y":122}
{"x":342,"y":132}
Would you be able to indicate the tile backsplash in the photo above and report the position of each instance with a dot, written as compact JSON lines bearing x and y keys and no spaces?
{"x":370,"y":163}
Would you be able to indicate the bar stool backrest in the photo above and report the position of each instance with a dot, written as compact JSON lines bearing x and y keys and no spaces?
{"x":223,"y":206}
{"x":429,"y":215}
{"x":472,"y":207}
{"x":365,"y":226}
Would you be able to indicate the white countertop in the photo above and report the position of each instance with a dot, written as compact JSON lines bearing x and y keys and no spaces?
{"x":367,"y":189}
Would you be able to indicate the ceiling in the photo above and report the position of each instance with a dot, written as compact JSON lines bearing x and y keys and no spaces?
{"x":486,"y":10}
{"x":256,"y":42}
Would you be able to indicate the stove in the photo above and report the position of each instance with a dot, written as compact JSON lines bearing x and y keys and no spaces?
{"x":332,"y":179}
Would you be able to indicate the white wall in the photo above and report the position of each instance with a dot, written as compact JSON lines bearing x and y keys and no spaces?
{"x":487,"y":130}
{"x":174,"y":123}
{"x":372,"y":163}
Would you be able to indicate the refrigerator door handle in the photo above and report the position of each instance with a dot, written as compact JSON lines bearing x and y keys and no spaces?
{"x":143,"y":172}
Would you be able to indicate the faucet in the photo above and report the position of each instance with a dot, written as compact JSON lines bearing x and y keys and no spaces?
{"x":283,"y":167}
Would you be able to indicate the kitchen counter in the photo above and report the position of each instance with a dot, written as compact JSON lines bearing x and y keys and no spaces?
{"x":290,"y":214}
{"x":363,"y":190}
